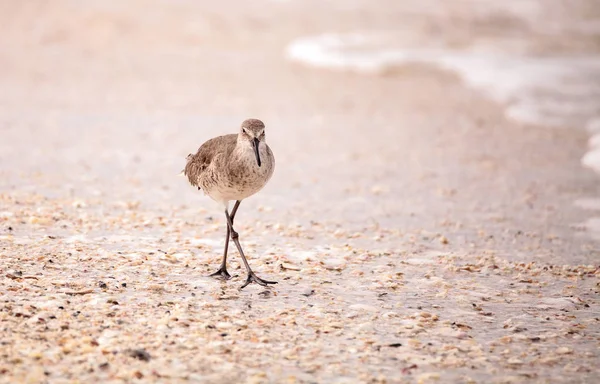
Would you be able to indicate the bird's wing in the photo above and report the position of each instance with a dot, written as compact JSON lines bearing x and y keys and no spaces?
{"x":207,"y":153}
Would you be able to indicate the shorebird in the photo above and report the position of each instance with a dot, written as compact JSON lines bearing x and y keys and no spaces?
{"x":232,"y":168}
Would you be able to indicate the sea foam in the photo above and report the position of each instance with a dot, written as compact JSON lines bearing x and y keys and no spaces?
{"x":548,"y":91}
{"x":558,"y":91}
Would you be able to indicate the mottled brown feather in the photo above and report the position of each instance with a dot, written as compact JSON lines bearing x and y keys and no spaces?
{"x":199,"y":162}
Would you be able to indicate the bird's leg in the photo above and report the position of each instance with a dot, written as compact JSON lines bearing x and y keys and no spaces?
{"x":222,"y":271}
{"x":252,"y":278}
{"x":234,"y":210}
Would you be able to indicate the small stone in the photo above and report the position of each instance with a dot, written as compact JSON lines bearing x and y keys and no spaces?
{"x":564,"y":351}
{"x":428,"y":377}
{"x":139,"y":354}
{"x":514,"y":361}
{"x":224,"y":325}
{"x":290,"y":267}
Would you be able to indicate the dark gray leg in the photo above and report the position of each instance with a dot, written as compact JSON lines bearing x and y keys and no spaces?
{"x":222,"y":271}
{"x":252,"y":278}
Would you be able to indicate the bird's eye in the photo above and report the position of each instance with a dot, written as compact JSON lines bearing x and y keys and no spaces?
{"x":244,"y":130}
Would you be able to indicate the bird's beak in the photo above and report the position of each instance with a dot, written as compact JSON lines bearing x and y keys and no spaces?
{"x":255,"y":143}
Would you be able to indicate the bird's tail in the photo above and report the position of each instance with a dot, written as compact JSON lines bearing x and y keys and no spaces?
{"x":188,"y":157}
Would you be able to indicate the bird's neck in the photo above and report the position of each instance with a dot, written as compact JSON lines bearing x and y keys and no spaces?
{"x":244,"y":147}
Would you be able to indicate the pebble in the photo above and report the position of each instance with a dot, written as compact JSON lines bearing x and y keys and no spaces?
{"x":355,"y":311}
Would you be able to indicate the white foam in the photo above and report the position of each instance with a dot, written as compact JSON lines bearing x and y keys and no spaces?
{"x":592,"y":158}
{"x":594,"y":141}
{"x":590,"y":204}
{"x":333,"y":51}
{"x":527,"y":85}
{"x":548,"y":91}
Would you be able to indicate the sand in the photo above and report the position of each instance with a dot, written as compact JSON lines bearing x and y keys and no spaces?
{"x":417,"y":233}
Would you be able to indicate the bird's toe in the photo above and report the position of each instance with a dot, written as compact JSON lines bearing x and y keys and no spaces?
{"x":221,"y":274}
{"x":252,"y":278}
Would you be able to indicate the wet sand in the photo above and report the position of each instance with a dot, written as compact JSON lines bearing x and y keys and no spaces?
{"x":417,"y":234}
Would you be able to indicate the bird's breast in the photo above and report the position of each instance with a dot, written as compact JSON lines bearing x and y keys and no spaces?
{"x":244,"y":176}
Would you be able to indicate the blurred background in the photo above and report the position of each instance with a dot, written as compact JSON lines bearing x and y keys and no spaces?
{"x":468,"y":120}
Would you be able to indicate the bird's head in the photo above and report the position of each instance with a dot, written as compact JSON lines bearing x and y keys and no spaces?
{"x":252,"y":132}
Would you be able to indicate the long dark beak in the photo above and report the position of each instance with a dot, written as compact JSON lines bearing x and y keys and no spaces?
{"x":255,"y":143}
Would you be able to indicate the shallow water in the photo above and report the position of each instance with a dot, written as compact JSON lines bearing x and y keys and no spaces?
{"x":558,"y":92}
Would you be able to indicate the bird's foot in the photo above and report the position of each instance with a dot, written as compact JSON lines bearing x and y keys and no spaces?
{"x":252,"y":278}
{"x":221,"y":274}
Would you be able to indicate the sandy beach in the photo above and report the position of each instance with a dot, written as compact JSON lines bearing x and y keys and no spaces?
{"x":434,"y":215}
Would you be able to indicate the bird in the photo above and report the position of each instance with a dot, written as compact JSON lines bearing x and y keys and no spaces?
{"x":232,"y":168}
